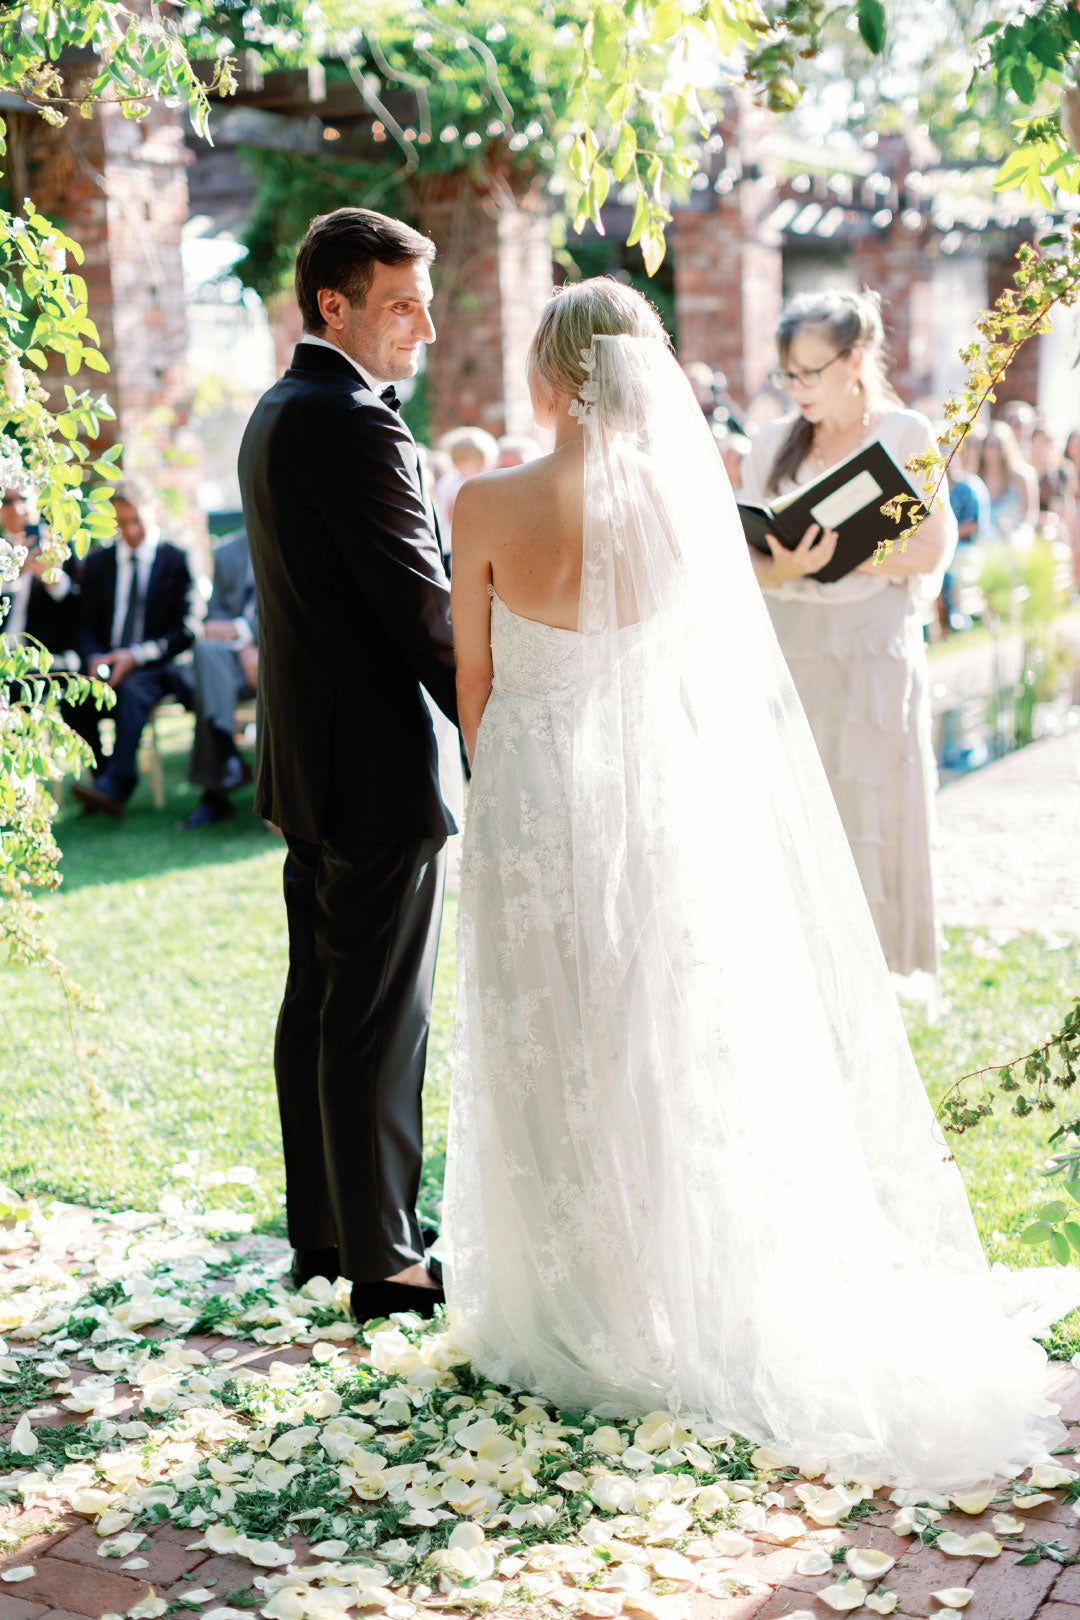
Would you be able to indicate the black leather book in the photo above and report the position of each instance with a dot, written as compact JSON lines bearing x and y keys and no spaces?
{"x":847,"y":498}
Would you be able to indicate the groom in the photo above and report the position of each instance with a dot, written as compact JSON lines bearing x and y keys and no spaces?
{"x":355,"y":764}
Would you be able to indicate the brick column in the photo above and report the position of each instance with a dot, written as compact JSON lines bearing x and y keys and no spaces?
{"x":898,"y":262}
{"x":492,"y":277}
{"x":728,"y":271}
{"x":120,"y":189}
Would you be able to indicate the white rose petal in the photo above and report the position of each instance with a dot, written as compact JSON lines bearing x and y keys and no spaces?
{"x":953,"y":1597}
{"x":201,"y":1594}
{"x":1049,"y":1476}
{"x":731,"y":1543}
{"x":977,"y":1503}
{"x":625,"y":1578}
{"x":783,"y":1527}
{"x":1031,"y":1500}
{"x":330,"y":1549}
{"x":817,"y":1562}
{"x":149,"y":1609}
{"x":767,"y":1461}
{"x":882,"y":1602}
{"x":135,"y":1563}
{"x":602,"y":1605}
{"x":23,"y":1439}
{"x":980,"y":1545}
{"x":844,"y":1595}
{"x":22,"y":1572}
{"x":824,"y":1507}
{"x":1006,"y":1524}
{"x":868,"y":1563}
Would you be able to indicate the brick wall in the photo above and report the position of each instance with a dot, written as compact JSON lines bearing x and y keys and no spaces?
{"x":492,"y":278}
{"x":120,"y":189}
{"x":898,"y":263}
{"x":728,"y":270}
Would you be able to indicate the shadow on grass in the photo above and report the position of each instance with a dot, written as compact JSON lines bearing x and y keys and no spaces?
{"x":148,"y":841}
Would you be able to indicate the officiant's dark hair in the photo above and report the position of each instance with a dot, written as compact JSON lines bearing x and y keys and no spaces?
{"x":341,"y":250}
{"x":851,"y":320}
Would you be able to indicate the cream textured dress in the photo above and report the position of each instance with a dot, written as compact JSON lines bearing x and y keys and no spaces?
{"x":856,"y":652}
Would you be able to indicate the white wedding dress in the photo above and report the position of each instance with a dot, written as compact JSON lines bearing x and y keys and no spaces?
{"x":691,"y":1164}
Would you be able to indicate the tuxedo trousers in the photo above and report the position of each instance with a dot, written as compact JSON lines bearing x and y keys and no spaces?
{"x":351,"y":1045}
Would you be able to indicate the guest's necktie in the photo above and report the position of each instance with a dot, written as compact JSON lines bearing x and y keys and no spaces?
{"x":131,"y":631}
{"x":389,"y":397}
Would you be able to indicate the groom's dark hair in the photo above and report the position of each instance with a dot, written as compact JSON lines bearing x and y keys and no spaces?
{"x":340,"y":251}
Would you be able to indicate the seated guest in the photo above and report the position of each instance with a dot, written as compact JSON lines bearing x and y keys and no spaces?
{"x":226,"y":668}
{"x":472,"y":450}
{"x":136,"y":615}
{"x":46,"y":612}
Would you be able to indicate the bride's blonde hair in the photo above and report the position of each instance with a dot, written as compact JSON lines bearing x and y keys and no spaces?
{"x":579,"y":312}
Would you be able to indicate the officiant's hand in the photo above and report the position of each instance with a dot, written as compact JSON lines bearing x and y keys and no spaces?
{"x":813,"y":551}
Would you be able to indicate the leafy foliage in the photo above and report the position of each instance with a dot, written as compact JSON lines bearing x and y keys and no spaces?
{"x":43,"y":311}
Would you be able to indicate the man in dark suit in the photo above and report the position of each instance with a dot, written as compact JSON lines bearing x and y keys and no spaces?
{"x":136,"y":615}
{"x":226,"y":668}
{"x":47,"y":612}
{"x":355,"y":764}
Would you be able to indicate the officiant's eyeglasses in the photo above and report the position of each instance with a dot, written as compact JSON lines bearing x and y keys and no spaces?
{"x":804,"y":379}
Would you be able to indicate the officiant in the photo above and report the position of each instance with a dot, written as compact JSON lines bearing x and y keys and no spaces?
{"x":855,"y":646}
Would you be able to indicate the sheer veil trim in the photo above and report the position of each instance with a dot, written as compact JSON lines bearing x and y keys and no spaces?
{"x":691,"y":1161}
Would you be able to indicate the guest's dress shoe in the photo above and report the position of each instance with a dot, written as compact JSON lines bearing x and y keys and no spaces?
{"x":102,"y":795}
{"x":384,"y":1298}
{"x":308,"y":1263}
{"x":213,"y":807}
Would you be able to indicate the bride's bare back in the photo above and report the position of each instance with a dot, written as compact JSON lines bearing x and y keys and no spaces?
{"x":517,"y":530}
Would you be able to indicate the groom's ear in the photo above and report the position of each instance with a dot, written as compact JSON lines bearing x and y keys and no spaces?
{"x":333,"y":307}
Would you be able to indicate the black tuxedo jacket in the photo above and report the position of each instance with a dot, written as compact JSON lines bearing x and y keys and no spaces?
{"x":169,"y":609}
{"x":354,"y":614}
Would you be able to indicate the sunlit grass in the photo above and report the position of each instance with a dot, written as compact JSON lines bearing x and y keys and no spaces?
{"x":182,"y":935}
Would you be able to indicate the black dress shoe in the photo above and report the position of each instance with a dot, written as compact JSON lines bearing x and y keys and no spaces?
{"x":384,"y":1298}
{"x":96,"y":796}
{"x":211,"y":809}
{"x":308,"y":1263}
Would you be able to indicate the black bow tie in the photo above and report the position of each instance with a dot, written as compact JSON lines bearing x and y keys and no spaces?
{"x":389,"y":397}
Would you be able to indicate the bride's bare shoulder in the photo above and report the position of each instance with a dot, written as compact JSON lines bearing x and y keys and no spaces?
{"x":490,"y":501}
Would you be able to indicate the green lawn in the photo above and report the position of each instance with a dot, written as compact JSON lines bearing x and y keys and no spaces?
{"x":182,"y":936}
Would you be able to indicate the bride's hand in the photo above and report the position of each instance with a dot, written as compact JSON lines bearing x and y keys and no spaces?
{"x":813,"y":551}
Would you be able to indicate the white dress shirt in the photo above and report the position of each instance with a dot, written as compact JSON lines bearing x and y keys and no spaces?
{"x":374,"y":383}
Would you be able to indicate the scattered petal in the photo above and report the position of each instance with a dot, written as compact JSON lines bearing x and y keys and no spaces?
{"x":976,"y":1503}
{"x":844,"y":1595}
{"x":953,"y":1597}
{"x":21,"y":1572}
{"x":1006,"y":1524}
{"x":868,"y":1563}
{"x":980,"y":1545}
{"x":817,"y":1562}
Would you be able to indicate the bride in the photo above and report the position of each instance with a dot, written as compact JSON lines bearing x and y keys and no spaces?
{"x":692,"y":1165}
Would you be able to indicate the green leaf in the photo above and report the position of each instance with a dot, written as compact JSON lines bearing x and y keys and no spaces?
{"x":668,"y":18}
{"x":872,"y":25}
{"x":640,"y":220}
{"x":608,"y":41}
{"x":1055,"y":1211}
{"x":1071,"y":1230}
{"x":653,"y":247}
{"x":625,"y":152}
{"x":1072,"y":1187}
{"x":1022,"y":81}
{"x":1059,"y":1245}
{"x":94,"y":361}
{"x":1037,"y":1232}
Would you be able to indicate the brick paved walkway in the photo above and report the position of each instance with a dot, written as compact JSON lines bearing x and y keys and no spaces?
{"x":72,"y":1580}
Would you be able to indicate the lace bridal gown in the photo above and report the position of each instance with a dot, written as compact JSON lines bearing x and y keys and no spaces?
{"x":692,"y":1165}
